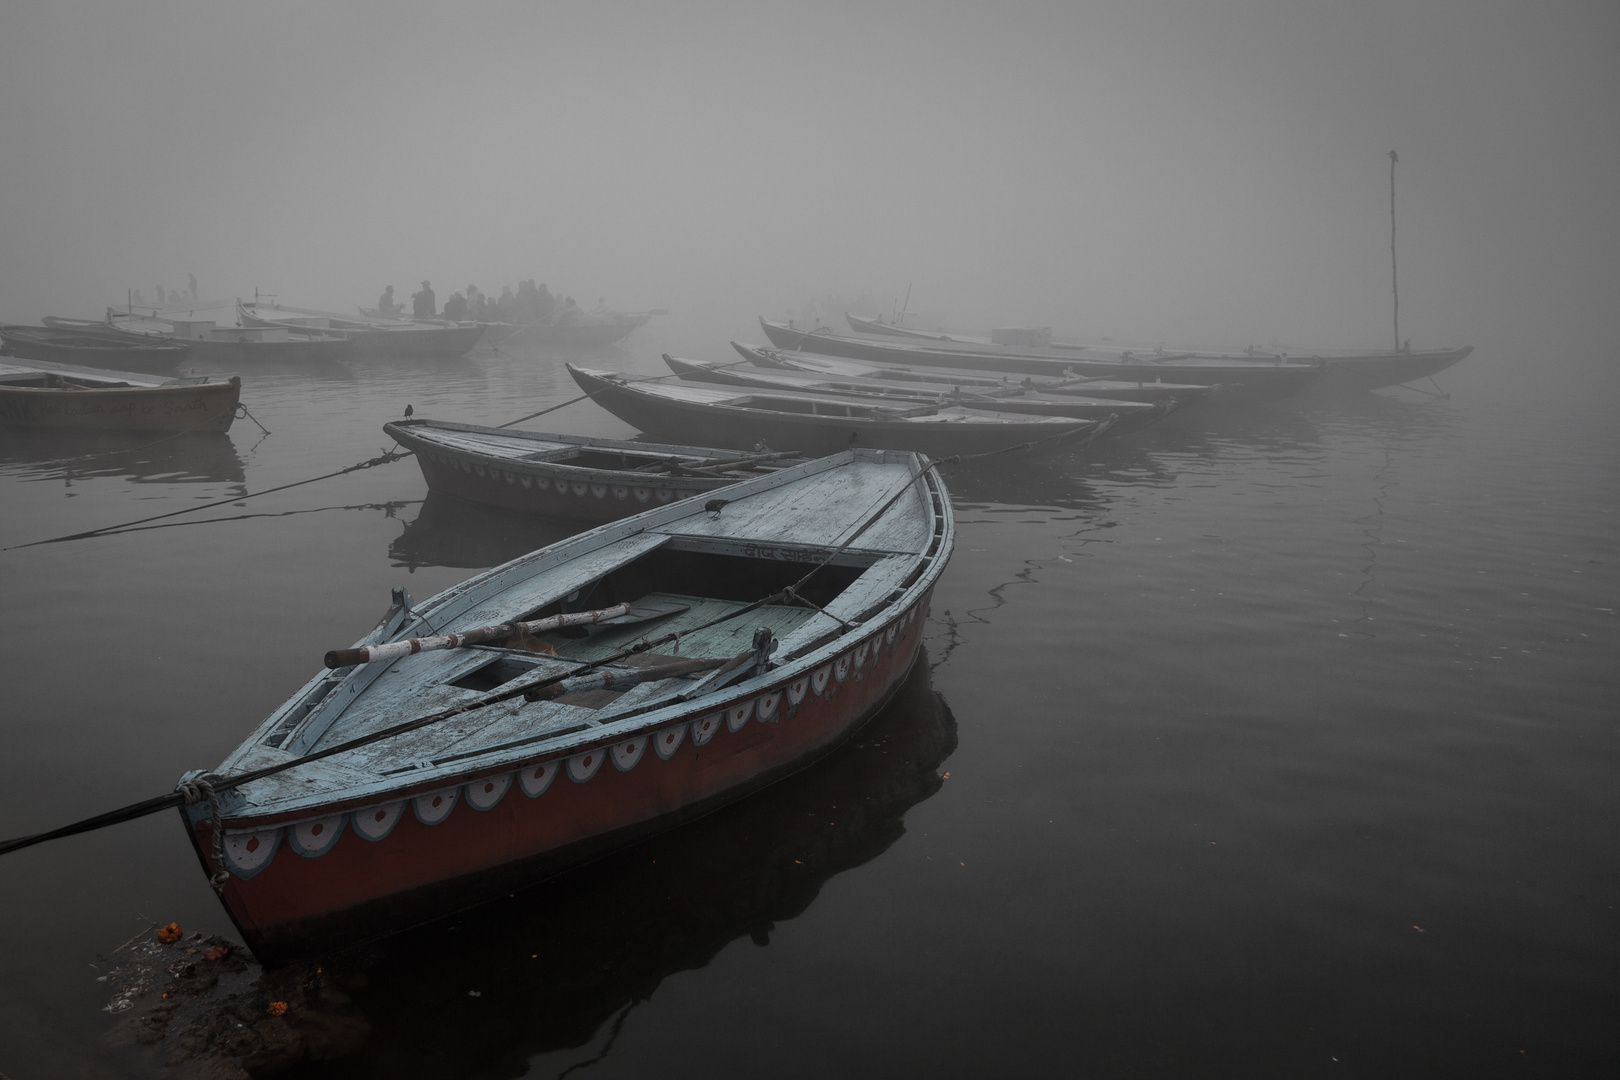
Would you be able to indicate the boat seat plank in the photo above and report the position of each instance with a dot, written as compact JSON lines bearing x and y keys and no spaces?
{"x":809,"y":512}
{"x":476,"y":441}
{"x":529,"y":591}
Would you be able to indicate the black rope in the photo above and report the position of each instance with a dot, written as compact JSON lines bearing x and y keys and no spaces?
{"x":370,"y":463}
{"x":543,"y":412}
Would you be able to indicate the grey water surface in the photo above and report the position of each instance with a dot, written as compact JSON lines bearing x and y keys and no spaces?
{"x":1272,"y":740}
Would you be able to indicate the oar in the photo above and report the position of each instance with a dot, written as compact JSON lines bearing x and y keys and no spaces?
{"x":393,"y":650}
{"x":613,"y":679}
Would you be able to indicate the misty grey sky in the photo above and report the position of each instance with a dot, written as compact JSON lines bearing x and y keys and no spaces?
{"x":1175,"y":170}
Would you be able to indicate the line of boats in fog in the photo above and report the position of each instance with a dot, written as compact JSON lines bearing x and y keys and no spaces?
{"x":263,"y":331}
{"x":754,"y":590}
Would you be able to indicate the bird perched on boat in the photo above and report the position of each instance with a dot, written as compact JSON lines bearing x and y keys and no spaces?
{"x":713,"y":505}
{"x":408,"y":412}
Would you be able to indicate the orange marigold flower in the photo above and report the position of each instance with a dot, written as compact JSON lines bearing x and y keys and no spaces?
{"x":169,"y":934}
{"x":277,"y":1008}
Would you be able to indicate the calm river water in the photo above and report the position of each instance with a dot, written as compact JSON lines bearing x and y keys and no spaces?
{"x":1273,"y":741}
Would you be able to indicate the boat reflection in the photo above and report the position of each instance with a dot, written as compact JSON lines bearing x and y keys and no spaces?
{"x":555,"y":964}
{"x":452,"y":532}
{"x":134,"y":455}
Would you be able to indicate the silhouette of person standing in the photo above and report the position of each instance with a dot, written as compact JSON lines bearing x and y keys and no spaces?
{"x":424,"y":305}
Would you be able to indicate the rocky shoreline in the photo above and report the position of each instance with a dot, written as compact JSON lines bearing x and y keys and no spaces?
{"x":195,"y":1007}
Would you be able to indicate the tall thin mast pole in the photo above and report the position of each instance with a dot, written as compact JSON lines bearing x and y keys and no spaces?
{"x":1394,"y":281}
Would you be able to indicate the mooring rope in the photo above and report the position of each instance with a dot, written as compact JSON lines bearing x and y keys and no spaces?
{"x":195,"y":791}
{"x":369,"y":463}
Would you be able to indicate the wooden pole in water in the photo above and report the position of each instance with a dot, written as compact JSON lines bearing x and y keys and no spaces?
{"x":1394,"y":282}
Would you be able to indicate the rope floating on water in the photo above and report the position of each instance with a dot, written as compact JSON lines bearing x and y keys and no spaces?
{"x":369,"y":463}
{"x":383,"y":459}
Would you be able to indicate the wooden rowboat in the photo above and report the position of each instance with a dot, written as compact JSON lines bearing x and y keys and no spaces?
{"x":574,"y":327}
{"x":1008,"y":399}
{"x":211,"y":343}
{"x":824,"y":423}
{"x":714,"y":650}
{"x":570,"y":476}
{"x":87,"y":348}
{"x":1367,"y":371}
{"x":1250,"y":377}
{"x":1144,"y":389}
{"x":373,"y":337}
{"x":37,"y":394}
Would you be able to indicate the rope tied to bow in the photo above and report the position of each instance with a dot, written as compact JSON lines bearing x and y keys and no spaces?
{"x":194,"y":792}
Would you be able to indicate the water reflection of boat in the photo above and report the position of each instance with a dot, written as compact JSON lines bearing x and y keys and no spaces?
{"x":554,"y":966}
{"x":133,"y":455}
{"x":452,"y":532}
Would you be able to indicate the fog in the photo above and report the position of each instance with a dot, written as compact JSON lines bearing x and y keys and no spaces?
{"x":1163,"y":171}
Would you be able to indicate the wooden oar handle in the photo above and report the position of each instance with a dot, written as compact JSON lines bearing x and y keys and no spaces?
{"x":393,"y":650}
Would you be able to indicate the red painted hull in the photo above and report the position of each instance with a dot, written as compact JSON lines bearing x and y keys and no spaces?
{"x":296,"y":902}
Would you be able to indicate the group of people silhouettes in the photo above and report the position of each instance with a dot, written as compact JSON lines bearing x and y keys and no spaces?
{"x":173,"y":298}
{"x":530,"y":303}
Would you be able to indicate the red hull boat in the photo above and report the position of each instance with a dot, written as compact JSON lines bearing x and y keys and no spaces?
{"x":746,"y":638}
